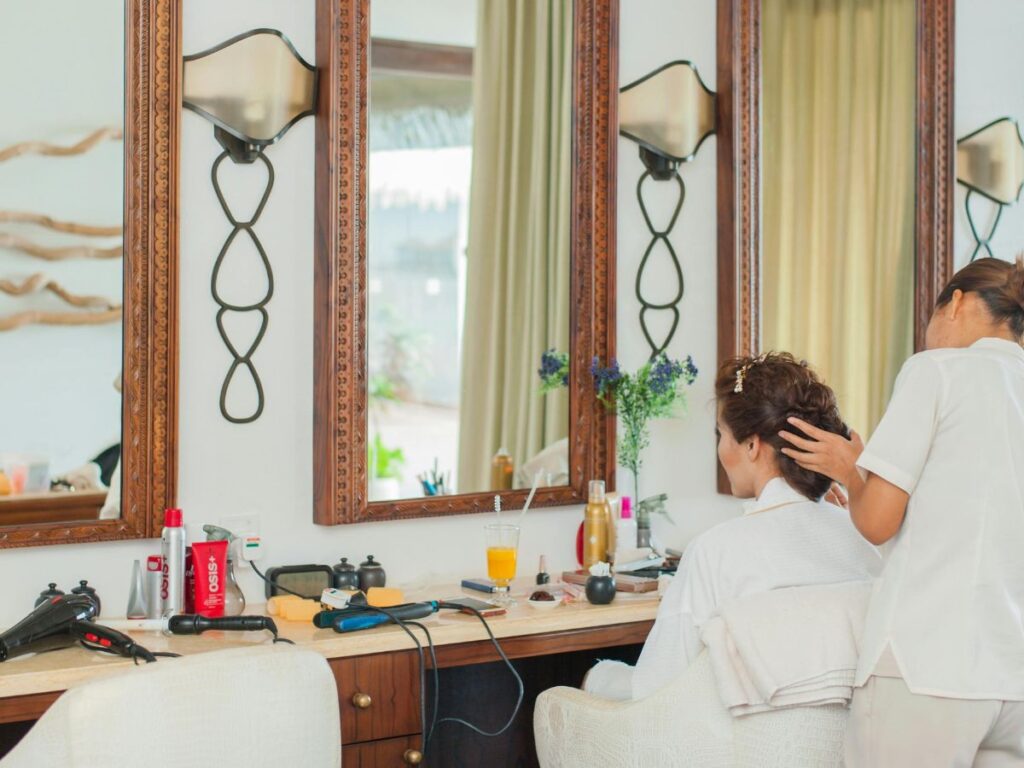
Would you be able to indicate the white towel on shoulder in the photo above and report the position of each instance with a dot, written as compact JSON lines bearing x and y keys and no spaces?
{"x":793,"y":647}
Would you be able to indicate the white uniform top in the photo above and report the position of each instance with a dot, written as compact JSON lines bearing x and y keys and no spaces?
{"x":782,"y":540}
{"x":950,"y":601}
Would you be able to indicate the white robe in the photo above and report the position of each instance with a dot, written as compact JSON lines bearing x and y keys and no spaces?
{"x":782,"y":540}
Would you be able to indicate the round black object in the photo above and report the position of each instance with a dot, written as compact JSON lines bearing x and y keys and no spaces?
{"x":345,"y":576}
{"x":83,"y":588}
{"x":48,"y":594}
{"x":371,"y":574}
{"x":600,"y":589}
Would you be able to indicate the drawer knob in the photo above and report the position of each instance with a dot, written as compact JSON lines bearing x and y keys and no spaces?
{"x":412,"y":757}
{"x":361,"y":700}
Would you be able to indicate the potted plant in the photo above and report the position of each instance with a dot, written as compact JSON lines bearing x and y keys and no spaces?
{"x":656,"y":390}
{"x":385,"y":471}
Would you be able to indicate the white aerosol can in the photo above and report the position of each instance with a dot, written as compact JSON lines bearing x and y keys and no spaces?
{"x":172,"y":545}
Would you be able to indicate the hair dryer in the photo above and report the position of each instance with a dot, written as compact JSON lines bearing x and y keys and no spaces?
{"x":48,"y":626}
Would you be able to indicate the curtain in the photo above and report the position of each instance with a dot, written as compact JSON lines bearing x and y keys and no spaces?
{"x":838,"y":192}
{"x":517,"y":272}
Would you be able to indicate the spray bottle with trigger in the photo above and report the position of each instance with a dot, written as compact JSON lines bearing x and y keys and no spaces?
{"x":234,"y":600}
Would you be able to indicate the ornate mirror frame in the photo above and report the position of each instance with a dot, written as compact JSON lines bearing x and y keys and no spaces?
{"x":150,"y":363}
{"x":739,"y":141}
{"x":340,"y":401}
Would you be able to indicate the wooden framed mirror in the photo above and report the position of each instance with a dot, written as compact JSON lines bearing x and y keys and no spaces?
{"x":465,"y":224}
{"x":88,"y":269}
{"x":835,"y":185}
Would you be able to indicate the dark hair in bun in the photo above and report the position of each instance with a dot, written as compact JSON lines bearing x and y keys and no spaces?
{"x":773,"y":387}
{"x":1000,"y":285}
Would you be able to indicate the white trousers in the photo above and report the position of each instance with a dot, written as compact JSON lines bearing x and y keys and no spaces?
{"x":890,"y":727}
{"x":610,"y":680}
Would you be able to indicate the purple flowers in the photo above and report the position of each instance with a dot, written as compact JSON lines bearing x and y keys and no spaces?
{"x":665,"y":374}
{"x":605,"y":379}
{"x":554,"y":370}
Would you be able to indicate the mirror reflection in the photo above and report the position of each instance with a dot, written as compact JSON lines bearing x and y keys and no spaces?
{"x":468,"y":244}
{"x":838,"y":146}
{"x":61,"y":202}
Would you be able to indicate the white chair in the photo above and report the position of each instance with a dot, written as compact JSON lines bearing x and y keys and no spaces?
{"x":682,"y":725}
{"x":240,"y":708}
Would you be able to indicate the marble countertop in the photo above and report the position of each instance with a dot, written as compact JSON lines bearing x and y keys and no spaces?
{"x":58,"y":670}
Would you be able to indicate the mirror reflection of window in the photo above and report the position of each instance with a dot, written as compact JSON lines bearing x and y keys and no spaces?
{"x":61,"y":208}
{"x":838,"y":100}
{"x":468,"y":243}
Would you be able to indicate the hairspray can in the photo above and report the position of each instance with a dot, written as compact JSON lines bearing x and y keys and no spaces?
{"x":172,"y":545}
{"x":154,"y":580}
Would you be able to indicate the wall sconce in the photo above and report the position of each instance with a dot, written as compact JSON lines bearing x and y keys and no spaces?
{"x":669,"y":113}
{"x":990,"y":162}
{"x":253,"y":88}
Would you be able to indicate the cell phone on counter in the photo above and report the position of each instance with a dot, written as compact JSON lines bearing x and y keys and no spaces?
{"x":486,"y":609}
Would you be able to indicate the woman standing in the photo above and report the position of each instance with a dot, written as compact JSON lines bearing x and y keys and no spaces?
{"x":941,"y":673}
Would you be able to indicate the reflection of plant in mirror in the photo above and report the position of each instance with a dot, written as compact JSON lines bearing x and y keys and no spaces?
{"x":385,"y":462}
{"x":553,"y":371}
{"x":381,"y":390}
{"x":402,"y":352}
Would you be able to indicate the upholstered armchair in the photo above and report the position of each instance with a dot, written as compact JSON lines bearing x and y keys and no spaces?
{"x":683,"y":724}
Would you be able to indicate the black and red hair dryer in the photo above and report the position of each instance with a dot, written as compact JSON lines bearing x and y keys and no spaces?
{"x":48,"y":626}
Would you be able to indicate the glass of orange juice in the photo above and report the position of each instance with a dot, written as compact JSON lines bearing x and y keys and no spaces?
{"x":502,"y":546}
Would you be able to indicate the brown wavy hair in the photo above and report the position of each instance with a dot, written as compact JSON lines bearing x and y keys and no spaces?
{"x":776,"y":386}
{"x":1000,"y":285}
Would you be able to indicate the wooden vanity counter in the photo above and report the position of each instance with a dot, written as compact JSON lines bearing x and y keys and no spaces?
{"x":379,"y":665}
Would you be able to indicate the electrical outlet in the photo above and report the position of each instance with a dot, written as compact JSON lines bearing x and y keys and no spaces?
{"x":247,"y":528}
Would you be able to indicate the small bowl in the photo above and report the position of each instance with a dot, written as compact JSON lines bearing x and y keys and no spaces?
{"x":546,"y":605}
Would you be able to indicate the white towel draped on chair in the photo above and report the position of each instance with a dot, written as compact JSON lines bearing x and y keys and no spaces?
{"x":792,"y":647}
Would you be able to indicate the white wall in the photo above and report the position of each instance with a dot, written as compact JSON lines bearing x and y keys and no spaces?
{"x":989,"y":61}
{"x":266,"y":467}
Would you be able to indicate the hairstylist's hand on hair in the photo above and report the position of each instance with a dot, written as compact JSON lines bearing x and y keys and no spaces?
{"x":824,"y":452}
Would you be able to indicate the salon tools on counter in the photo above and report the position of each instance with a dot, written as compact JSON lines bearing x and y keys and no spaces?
{"x":194,"y":624}
{"x":47,"y":594}
{"x":234,"y":600}
{"x":365,"y":618}
{"x":172,"y":552}
{"x":154,"y":580}
{"x":306,"y":580}
{"x":136,"y":594}
{"x":83,"y":588}
{"x":62,"y":621}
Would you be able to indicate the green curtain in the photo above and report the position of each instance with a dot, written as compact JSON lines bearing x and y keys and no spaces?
{"x":517,"y":275}
{"x":838,"y":100}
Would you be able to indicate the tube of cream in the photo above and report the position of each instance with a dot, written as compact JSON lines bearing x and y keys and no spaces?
{"x":210,"y":561}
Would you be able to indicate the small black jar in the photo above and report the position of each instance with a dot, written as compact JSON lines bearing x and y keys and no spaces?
{"x":600,"y":589}
{"x":371,"y":574}
{"x":345,"y":576}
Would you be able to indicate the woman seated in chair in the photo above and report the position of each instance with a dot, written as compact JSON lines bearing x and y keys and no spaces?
{"x":790,"y":535}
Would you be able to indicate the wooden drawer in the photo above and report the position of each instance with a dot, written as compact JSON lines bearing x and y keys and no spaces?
{"x":388,"y":753}
{"x":391,"y":681}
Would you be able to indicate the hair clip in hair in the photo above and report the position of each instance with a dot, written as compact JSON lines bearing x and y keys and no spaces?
{"x":741,"y":372}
